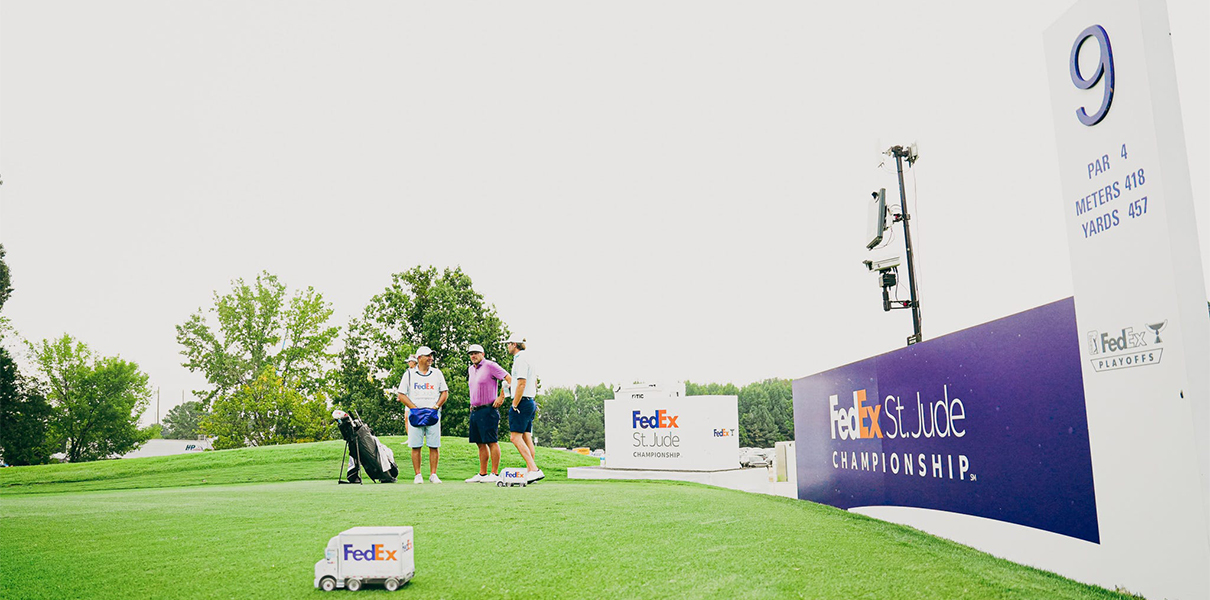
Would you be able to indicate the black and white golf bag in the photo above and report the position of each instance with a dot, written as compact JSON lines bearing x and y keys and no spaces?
{"x":364,"y":451}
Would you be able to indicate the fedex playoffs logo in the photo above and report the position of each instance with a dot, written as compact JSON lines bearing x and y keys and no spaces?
{"x":851,"y":422}
{"x":374,"y":552}
{"x":423,"y":386}
{"x":1126,"y":347}
{"x":659,"y":420}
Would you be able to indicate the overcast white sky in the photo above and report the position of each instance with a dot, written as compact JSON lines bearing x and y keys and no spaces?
{"x":647,"y":190}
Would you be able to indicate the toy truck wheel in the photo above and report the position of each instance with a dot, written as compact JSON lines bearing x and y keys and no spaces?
{"x":500,"y":484}
{"x":391,"y":584}
{"x":353,"y":585}
{"x":327,"y":584}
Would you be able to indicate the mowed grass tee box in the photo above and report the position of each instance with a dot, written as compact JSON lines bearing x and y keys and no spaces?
{"x":577,"y":539}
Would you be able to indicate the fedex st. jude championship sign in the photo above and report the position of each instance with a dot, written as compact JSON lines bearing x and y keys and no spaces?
{"x":651,"y":430}
{"x":1074,"y":436}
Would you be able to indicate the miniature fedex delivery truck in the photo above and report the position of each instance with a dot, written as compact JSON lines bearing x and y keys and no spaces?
{"x":512,"y":477}
{"x":361,"y":555}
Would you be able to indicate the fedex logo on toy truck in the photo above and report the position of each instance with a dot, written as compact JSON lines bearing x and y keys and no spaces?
{"x":660,"y":420}
{"x":374,"y":552}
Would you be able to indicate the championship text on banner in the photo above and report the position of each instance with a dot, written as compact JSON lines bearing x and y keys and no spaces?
{"x":989,"y":421}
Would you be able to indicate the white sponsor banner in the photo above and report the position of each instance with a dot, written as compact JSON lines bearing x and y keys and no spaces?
{"x":1139,"y":296}
{"x":690,"y":433}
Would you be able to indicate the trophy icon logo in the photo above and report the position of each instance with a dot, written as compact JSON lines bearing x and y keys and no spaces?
{"x":1157,"y":328}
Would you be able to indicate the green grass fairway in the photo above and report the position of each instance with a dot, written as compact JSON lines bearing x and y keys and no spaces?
{"x":294,"y":462}
{"x":555,"y":539}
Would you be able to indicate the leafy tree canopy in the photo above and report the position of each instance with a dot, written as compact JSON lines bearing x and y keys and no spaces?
{"x":421,"y":306}
{"x":182,"y":422}
{"x":258,"y":326}
{"x":266,"y":412}
{"x":572,"y":418}
{"x":97,"y":400}
{"x":24,"y":417}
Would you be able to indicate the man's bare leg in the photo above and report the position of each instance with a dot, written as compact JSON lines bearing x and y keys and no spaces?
{"x":518,"y":440}
{"x":482,"y":459}
{"x":416,"y":459}
{"x":494,"y":449}
{"x":529,"y":441}
{"x":433,"y":455}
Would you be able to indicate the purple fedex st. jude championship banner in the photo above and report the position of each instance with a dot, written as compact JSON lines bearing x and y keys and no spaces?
{"x":988,"y":421}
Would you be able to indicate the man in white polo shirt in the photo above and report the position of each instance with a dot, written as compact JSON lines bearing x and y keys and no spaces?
{"x":424,"y":387}
{"x":524,"y":408}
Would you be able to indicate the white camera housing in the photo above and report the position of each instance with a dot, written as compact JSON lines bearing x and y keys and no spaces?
{"x":882,"y":265}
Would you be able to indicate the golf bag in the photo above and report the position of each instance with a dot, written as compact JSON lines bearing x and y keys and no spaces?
{"x":364,"y":451}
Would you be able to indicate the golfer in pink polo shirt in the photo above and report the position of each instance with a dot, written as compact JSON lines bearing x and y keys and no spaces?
{"x":484,"y":377}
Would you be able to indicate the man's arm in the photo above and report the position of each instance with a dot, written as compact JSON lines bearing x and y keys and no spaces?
{"x":441,"y":400}
{"x":517,"y":392}
{"x":500,"y":398}
{"x":405,"y":400}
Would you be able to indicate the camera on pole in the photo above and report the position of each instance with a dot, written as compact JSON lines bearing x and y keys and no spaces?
{"x":888,"y":269}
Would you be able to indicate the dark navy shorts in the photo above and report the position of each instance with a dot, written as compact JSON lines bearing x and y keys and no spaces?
{"x":485,"y":425}
{"x":521,"y":420}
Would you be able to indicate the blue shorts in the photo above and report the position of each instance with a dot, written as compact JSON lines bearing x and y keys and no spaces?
{"x":485,"y":425}
{"x":521,"y":420}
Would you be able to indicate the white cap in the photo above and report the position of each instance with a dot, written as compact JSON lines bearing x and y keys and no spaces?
{"x":423,"y":351}
{"x":412,"y":358}
{"x":515,"y":338}
{"x":475,"y":348}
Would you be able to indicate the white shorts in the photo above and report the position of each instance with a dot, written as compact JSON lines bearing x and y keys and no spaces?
{"x":424,"y":436}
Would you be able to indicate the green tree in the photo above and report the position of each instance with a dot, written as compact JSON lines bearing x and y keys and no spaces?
{"x":24,"y":417}
{"x":776,"y":397}
{"x":419,"y":307}
{"x":573,"y":418}
{"x":183,"y":421}
{"x":756,"y":428}
{"x":6,"y":289}
{"x":710,"y":389}
{"x":97,"y":400}
{"x":266,"y":412}
{"x":258,"y":327}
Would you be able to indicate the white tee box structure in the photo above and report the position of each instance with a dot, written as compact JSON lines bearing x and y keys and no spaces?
{"x":361,"y":555}
{"x":1140,"y":296}
{"x":649,"y":429}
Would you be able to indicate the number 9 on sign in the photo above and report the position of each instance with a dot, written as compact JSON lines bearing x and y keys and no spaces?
{"x":1104,"y":70}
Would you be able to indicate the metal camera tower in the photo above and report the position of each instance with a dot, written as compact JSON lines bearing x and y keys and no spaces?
{"x":888,"y":269}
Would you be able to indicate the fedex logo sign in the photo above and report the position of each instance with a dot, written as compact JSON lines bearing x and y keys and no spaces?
{"x":374,"y":552}
{"x":423,"y":386}
{"x":660,"y":420}
{"x":851,"y":422}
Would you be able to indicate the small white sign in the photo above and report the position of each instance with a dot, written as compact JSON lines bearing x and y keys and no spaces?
{"x":687,"y":433}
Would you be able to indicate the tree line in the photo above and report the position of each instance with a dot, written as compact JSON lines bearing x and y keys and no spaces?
{"x":272,"y":376}
{"x":267,"y":356}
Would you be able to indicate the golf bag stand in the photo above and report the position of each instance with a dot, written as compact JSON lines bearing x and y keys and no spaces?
{"x":340,"y":475}
{"x":364,"y":451}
